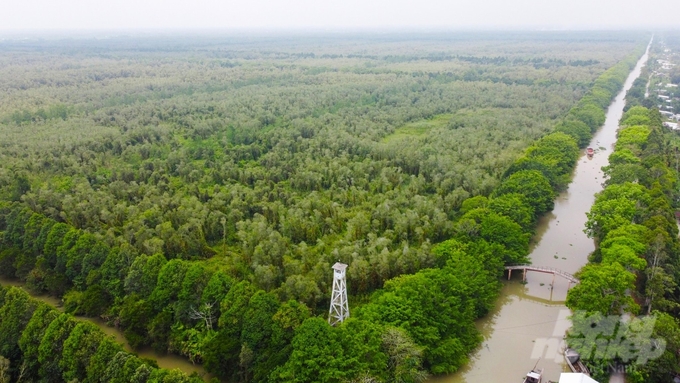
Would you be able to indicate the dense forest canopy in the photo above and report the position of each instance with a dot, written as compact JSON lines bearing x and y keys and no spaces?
{"x":343,"y":145}
{"x":195,"y":191}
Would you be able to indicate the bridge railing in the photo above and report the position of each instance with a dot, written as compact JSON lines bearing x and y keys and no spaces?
{"x":553,"y":270}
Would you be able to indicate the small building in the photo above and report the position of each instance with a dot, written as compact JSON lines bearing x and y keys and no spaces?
{"x":671,"y":125}
{"x":570,"y":377}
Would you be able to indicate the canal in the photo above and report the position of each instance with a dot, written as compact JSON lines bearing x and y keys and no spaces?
{"x":530,"y":319}
{"x":168,"y":361}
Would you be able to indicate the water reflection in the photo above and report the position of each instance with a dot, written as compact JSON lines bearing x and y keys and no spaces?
{"x":510,"y":335}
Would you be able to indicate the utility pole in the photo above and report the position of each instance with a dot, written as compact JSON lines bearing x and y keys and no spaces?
{"x":339,"y":310}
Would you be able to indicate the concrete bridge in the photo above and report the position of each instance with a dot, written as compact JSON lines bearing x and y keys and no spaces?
{"x":541,"y":269}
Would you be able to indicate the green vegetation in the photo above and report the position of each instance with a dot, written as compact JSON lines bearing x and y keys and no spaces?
{"x":418,"y":128}
{"x":58,"y":348}
{"x":197,"y":197}
{"x":634,"y":269}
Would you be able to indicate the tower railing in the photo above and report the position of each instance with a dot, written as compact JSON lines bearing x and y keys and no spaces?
{"x":339,"y":310}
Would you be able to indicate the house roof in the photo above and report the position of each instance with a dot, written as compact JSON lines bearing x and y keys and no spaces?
{"x":570,"y":377}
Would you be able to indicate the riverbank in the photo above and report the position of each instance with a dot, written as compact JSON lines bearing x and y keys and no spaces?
{"x":529,"y":315}
{"x":168,"y":361}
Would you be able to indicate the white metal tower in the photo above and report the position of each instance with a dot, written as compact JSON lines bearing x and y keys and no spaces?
{"x":339,"y":310}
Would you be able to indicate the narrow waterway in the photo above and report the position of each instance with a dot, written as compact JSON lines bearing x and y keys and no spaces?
{"x":530,"y":319}
{"x":169,"y":361}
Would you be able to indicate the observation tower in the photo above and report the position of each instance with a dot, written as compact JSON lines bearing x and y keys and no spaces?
{"x":339,"y":310}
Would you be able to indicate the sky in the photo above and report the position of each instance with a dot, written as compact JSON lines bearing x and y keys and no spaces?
{"x":21,"y":15}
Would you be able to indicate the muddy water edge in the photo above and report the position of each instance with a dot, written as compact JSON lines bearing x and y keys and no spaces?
{"x":528,"y":315}
{"x":168,"y":361}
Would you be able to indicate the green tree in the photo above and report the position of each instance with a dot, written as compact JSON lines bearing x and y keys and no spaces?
{"x":20,"y":186}
{"x":665,"y":368}
{"x":405,"y":357}
{"x":317,"y":355}
{"x":115,"y":268}
{"x":143,"y":274}
{"x":474,"y":203}
{"x":135,"y":314}
{"x":557,"y":147}
{"x":363,"y":347}
{"x":99,"y":361}
{"x":495,"y":228}
{"x":75,"y":256}
{"x":54,"y":239}
{"x":26,"y":262}
{"x":15,"y":313}
{"x":431,"y":307}
{"x":121,"y":368}
{"x":33,"y":335}
{"x":217,"y":288}
{"x":533,"y":186}
{"x":257,"y":332}
{"x":189,"y":297}
{"x":632,"y":137}
{"x":169,"y":286}
{"x":603,"y":289}
{"x":481,"y":271}
{"x":625,"y":256}
{"x":588,"y":113}
{"x":78,"y":349}
{"x":578,"y":130}
{"x":221,"y":353}
{"x":515,"y":207}
{"x":92,"y":261}
{"x":16,"y":220}
{"x":616,"y":206}
{"x":52,"y":346}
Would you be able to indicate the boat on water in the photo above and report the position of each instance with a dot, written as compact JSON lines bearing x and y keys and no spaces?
{"x":574,"y":361}
{"x":590,"y":152}
{"x":534,"y":376}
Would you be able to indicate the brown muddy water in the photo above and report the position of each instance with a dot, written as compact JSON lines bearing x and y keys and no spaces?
{"x":168,"y":361}
{"x":529,"y":320}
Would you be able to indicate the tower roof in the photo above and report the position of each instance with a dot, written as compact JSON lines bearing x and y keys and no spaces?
{"x":339,"y":266}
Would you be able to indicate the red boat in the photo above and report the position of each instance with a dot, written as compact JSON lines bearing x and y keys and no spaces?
{"x":590,"y":152}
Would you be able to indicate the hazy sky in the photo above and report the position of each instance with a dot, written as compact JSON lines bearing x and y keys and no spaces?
{"x":336,"y":14}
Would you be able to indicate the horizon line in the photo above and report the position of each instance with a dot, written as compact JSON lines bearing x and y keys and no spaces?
{"x":335,"y":30}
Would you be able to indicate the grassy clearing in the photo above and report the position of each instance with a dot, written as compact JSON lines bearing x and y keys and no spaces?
{"x":418,"y":128}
